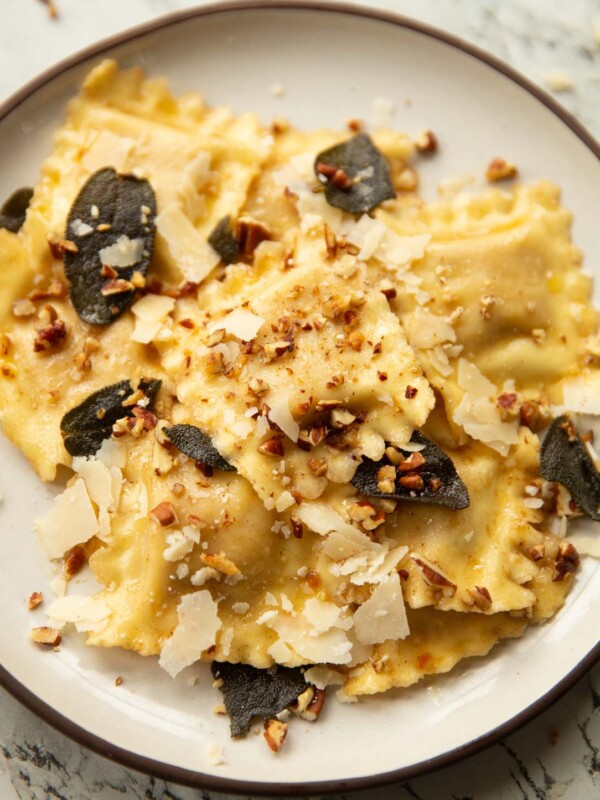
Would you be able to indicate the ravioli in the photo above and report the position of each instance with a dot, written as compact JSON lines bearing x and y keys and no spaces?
{"x":297,"y":339}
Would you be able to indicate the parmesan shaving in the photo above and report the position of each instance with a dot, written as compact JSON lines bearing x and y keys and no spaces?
{"x":150,"y":314}
{"x":70,"y":521}
{"x":240,"y":323}
{"x":197,"y":628}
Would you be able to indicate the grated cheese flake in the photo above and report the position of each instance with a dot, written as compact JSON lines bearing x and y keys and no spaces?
{"x":70,"y":521}
{"x":197,"y":628}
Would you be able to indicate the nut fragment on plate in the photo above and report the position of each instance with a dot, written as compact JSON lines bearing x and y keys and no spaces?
{"x":50,"y":637}
{"x":275,"y":733}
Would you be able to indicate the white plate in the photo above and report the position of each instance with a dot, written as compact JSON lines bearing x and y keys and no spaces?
{"x":332,"y":63}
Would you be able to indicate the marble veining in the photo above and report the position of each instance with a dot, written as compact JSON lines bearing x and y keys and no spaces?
{"x":558,"y":754}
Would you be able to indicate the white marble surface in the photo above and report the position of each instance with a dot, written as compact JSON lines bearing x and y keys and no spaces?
{"x":557,"y":755}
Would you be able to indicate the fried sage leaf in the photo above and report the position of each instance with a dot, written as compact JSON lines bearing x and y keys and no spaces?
{"x":356,"y":175}
{"x":123,"y":207}
{"x":564,"y":458}
{"x":86,"y":426}
{"x":439,"y":482}
{"x":223,"y":241}
{"x":249,"y":692}
{"x":12,"y":213}
{"x":196,"y":444}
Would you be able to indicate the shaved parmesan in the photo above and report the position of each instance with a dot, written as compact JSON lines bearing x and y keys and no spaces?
{"x":86,"y":613}
{"x":150,"y":314}
{"x":125,"y":252}
{"x":189,"y":250}
{"x":425,"y":330}
{"x":581,"y":395}
{"x":383,"y":616}
{"x":103,"y":486}
{"x":106,"y":149}
{"x":240,"y":323}
{"x":280,"y":414}
{"x":197,"y":628}
{"x":70,"y":521}
{"x":321,"y":676}
{"x":81,"y":228}
{"x":478,"y":414}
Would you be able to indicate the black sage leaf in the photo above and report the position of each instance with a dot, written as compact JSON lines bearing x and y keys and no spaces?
{"x":249,"y":692}
{"x":355,"y":174}
{"x":441,"y":484}
{"x":86,"y":426}
{"x":196,"y":444}
{"x":12,"y":213}
{"x":223,"y":241}
{"x":564,"y":458}
{"x":128,"y":206}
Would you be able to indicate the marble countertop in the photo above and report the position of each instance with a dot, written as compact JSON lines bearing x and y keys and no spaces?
{"x":557,"y":755}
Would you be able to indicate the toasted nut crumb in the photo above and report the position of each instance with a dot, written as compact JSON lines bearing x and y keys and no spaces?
{"x":318,"y":467}
{"x":50,"y":336}
{"x":106,"y":271}
{"x":432,"y":575}
{"x":426,"y":142}
{"x":257,"y":386}
{"x":386,"y":479}
{"x":118,"y":681}
{"x":23,"y":308}
{"x":410,"y":392}
{"x":297,"y":527}
{"x":275,"y":733}
{"x":249,"y":234}
{"x":355,"y":340}
{"x":415,"y":461}
{"x":374,"y":522}
{"x":534,"y":415}
{"x":272,"y":447}
{"x":500,"y":170}
{"x":537,"y":552}
{"x":138,"y":280}
{"x":341,"y":418}
{"x":164,"y":514}
{"x":35,"y":599}
{"x":412,"y":481}
{"x":278,"y":349}
{"x":567,"y":561}
{"x":221,"y":562}
{"x":178,"y":489}
{"x":48,"y":636}
{"x":355,"y":125}
{"x":434,"y":484}
{"x":148,"y":419}
{"x":407,"y":180}
{"x":480,"y":597}
{"x":116,"y":286}
{"x":74,"y":561}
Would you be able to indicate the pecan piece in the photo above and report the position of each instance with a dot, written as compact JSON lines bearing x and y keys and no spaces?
{"x":50,"y":336}
{"x":432,"y":576}
{"x":47,"y":636}
{"x":164,"y":514}
{"x":275,"y":733}
{"x":567,"y":561}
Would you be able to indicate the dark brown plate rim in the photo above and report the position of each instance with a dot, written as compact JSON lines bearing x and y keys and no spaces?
{"x":200,"y":780}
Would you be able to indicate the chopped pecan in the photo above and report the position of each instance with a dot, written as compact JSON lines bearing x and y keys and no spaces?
{"x":116,"y":286}
{"x":275,"y":733}
{"x":537,"y":552}
{"x":341,"y":418}
{"x":410,"y":392}
{"x":426,"y":142}
{"x":480,"y":597}
{"x":297,"y":527}
{"x":499,"y":170}
{"x":221,"y":562}
{"x":318,"y":467}
{"x":386,"y":479}
{"x":35,"y":599}
{"x":164,"y":514}
{"x":44,"y":635}
{"x":432,"y":575}
{"x":309,"y":704}
{"x":149,"y":419}
{"x":50,"y":336}
{"x":413,"y":463}
{"x":272,"y":447}
{"x":249,"y":234}
{"x":74,"y":561}
{"x":411,"y":480}
{"x":567,"y":561}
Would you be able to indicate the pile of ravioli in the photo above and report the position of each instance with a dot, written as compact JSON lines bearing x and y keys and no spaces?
{"x":303,"y":409}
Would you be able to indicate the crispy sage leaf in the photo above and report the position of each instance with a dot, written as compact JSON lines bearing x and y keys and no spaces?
{"x":12,"y":213}
{"x":360,"y":160}
{"x":249,"y":692}
{"x":223,"y":241}
{"x":564,"y":458}
{"x":86,"y":426}
{"x":441,"y":483}
{"x":196,"y":444}
{"x":128,"y":205}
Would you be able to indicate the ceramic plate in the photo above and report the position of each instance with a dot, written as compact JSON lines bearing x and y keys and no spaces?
{"x":332,"y":67}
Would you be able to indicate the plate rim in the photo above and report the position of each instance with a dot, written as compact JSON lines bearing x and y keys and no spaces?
{"x":192,"y":778}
